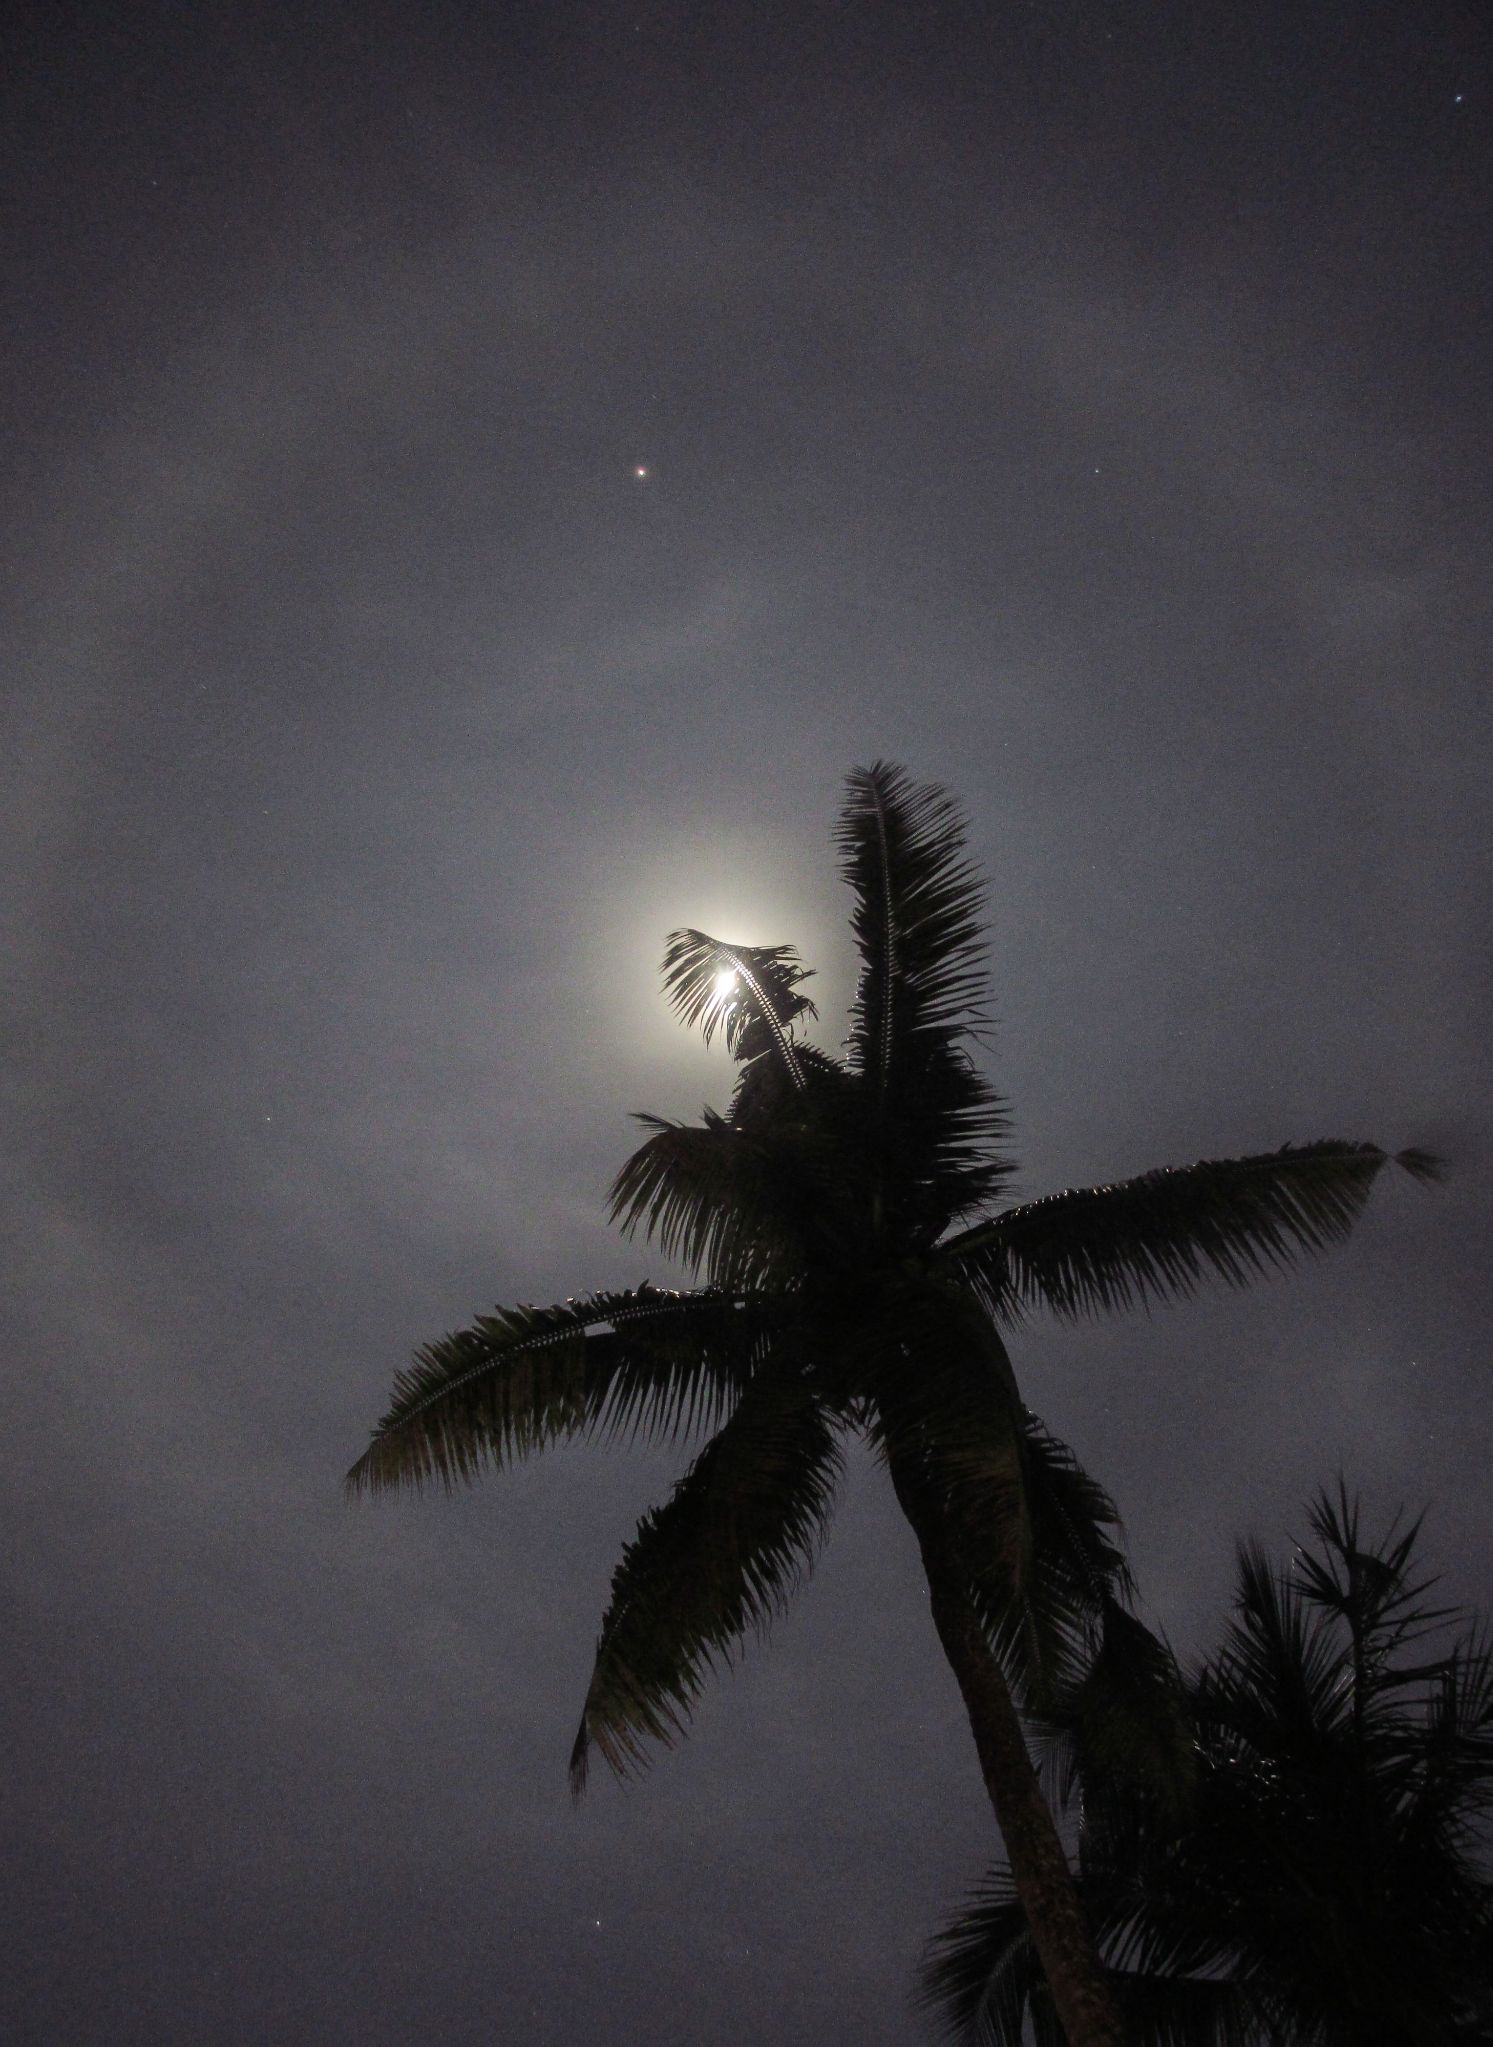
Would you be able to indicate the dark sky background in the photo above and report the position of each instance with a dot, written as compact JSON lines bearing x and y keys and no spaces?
{"x":1086,"y":405}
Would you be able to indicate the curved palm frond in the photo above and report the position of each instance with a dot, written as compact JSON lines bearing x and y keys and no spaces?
{"x":1074,"y":1518}
{"x":722,"y":1556}
{"x":764,"y":1099}
{"x":1127,"y":1720}
{"x":1157,"y":1237}
{"x":1280,"y":1685}
{"x":981,"y":1980}
{"x":1072,"y":1574}
{"x":979,"y":1971}
{"x":749,"y":991}
{"x":1454,"y":1786}
{"x":643,"y":1359}
{"x":943,"y":1409}
{"x":1103,"y":1693}
{"x":740,"y":1205}
{"x":938,"y":1131}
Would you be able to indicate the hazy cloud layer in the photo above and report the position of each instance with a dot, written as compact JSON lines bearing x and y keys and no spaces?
{"x":1035,"y":402}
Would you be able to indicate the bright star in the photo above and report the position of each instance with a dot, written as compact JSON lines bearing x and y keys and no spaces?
{"x":640,"y":472}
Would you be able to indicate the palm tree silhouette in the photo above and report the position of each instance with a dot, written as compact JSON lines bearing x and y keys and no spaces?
{"x":1327,"y":1881}
{"x":844,"y":1217}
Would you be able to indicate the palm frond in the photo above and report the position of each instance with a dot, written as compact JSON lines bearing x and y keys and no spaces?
{"x":1075,"y":1520}
{"x":1455,"y":1788}
{"x":743,"y":1206}
{"x":981,"y":1981}
{"x":524,"y":1377}
{"x":765,"y":1099}
{"x":749,"y":991}
{"x":1073,"y":1572}
{"x":1428,"y":1167}
{"x":917,"y":918}
{"x":1188,"y":2011}
{"x":1159,"y":1236}
{"x":941,"y":1144}
{"x":1277,"y":1682}
{"x":721,"y":1557}
{"x":918,"y":923}
{"x":1128,"y":1717}
{"x":944,"y":1412}
{"x":1366,"y":1582}
{"x":978,"y":1972}
{"x":1030,"y":1530}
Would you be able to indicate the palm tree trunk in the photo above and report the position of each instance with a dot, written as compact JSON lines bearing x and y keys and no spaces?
{"x":1044,"y":1882}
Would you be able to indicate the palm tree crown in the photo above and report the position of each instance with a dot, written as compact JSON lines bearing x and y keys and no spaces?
{"x":843,"y":1219}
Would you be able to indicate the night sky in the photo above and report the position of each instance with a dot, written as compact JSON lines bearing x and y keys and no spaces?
{"x":1085,"y":405}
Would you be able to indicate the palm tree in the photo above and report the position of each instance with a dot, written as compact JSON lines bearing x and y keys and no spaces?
{"x":844,"y":1218}
{"x":1328,"y":1882}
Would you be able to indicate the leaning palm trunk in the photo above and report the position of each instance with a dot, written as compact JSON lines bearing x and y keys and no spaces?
{"x":1039,"y":1867}
{"x":846,"y":1216}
